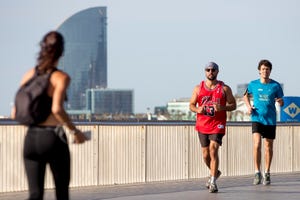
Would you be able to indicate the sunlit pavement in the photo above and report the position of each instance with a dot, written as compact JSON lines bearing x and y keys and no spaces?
{"x":283,"y":187}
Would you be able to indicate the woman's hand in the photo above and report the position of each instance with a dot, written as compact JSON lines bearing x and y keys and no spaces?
{"x":79,"y":137}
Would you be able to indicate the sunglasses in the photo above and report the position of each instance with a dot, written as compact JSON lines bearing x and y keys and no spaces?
{"x":212,"y":70}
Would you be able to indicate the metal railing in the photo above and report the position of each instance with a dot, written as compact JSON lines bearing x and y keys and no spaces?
{"x":138,"y":152}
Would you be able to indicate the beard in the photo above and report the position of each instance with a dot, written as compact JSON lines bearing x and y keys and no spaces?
{"x":212,"y":78}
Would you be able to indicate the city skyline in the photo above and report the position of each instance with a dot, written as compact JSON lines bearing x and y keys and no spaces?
{"x":159,"y":48}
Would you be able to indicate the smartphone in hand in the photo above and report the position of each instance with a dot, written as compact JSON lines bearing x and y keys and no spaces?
{"x":87,"y":134}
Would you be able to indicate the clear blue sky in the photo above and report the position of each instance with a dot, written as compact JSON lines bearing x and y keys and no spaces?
{"x":159,"y":47}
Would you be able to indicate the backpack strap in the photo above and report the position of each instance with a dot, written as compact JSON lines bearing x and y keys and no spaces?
{"x":37,"y":73}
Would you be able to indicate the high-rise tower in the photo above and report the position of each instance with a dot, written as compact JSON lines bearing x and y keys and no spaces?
{"x":85,"y":57}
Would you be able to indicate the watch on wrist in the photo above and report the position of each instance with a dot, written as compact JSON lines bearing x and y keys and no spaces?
{"x":74,"y":132}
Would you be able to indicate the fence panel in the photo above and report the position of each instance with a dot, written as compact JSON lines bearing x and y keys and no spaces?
{"x":136,"y":153}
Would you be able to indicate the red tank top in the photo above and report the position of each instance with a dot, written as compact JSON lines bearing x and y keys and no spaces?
{"x":211,"y":122}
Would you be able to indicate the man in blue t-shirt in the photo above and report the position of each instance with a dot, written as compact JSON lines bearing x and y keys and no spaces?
{"x":265,"y":92}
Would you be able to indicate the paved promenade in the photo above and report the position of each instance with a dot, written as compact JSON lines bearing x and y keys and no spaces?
{"x":283,"y":187}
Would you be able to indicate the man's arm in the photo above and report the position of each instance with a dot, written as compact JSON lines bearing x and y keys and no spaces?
{"x":280,"y":101}
{"x":193,"y":101}
{"x":247,"y":102}
{"x":230,"y":100}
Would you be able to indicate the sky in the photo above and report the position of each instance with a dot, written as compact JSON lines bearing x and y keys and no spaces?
{"x":159,"y":48}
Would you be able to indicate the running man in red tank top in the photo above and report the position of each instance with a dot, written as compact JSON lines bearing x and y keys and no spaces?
{"x":211,"y":99}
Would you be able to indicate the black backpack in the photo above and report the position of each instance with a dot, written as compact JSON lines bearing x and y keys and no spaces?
{"x":32,"y":103}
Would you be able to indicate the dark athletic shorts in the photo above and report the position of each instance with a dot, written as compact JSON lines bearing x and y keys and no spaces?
{"x":205,"y":138}
{"x":266,"y":131}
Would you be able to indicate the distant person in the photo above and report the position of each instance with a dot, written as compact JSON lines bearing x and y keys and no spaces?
{"x":46,"y":142}
{"x":265,"y":92}
{"x":211,"y":99}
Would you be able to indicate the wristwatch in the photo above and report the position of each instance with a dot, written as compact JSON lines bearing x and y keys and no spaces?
{"x":73,"y":132}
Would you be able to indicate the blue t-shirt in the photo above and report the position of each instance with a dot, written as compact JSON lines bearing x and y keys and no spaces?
{"x":264,"y":95}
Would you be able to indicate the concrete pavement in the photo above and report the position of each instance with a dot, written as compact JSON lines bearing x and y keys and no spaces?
{"x":283,"y":186}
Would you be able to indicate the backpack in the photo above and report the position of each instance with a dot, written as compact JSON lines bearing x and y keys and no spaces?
{"x":32,"y":103}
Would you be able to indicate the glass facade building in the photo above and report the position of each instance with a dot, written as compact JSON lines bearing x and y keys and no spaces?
{"x":180,"y":109}
{"x":85,"y":56}
{"x":109,"y":101}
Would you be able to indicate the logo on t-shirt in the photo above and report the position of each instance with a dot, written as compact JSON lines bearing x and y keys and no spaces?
{"x":220,"y":126}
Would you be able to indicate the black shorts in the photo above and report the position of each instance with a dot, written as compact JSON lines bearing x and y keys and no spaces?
{"x":205,"y":138}
{"x":266,"y":131}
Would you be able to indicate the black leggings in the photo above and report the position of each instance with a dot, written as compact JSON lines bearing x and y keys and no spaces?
{"x":47,"y":145}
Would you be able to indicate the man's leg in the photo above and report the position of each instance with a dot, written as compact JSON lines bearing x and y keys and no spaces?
{"x":205,"y":153}
{"x":204,"y":141}
{"x":214,"y":158}
{"x":268,"y":153}
{"x":214,"y":165}
{"x":209,"y":150}
{"x":268,"y":143}
{"x":257,"y":157}
{"x":257,"y":151}
{"x":206,"y":156}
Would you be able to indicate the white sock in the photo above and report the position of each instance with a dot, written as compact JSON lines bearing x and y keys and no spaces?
{"x":213,"y":179}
